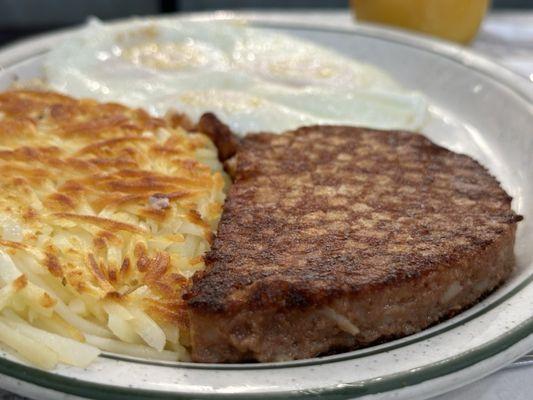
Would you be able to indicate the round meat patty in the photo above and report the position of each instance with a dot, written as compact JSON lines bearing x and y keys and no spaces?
{"x":338,"y":237}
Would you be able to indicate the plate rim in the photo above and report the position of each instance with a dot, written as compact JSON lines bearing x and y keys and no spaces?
{"x":521,"y":332}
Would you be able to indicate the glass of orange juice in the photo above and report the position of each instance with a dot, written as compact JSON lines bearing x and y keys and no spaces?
{"x":456,"y":20}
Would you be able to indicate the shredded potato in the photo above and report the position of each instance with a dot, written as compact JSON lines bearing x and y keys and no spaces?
{"x":33,"y":351}
{"x":105,"y":213}
{"x":68,"y":351}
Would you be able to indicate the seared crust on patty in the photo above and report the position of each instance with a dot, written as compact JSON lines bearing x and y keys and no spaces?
{"x":323,"y":222}
{"x":225,"y":141}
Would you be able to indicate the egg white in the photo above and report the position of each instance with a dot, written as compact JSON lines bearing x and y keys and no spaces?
{"x":253,"y":79}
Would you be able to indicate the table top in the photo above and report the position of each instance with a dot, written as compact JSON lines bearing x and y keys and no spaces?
{"x":506,"y":37}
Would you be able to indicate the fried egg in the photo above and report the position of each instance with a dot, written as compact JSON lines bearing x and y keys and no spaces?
{"x":252,"y":78}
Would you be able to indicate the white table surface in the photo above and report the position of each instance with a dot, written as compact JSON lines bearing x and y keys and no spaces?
{"x":506,"y":37}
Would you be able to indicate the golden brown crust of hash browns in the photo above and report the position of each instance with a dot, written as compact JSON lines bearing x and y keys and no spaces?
{"x":97,"y":186}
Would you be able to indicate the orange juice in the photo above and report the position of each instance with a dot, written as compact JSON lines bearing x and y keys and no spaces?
{"x":456,"y":20}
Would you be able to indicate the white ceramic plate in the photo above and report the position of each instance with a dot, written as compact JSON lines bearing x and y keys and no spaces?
{"x":477,"y":108}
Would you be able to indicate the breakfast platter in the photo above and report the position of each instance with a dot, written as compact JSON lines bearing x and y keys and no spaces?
{"x":457,"y":99}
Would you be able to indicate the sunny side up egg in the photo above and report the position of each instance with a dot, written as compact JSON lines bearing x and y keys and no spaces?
{"x":253,"y":79}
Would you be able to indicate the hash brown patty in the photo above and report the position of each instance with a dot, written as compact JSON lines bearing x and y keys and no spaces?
{"x":109,"y":204}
